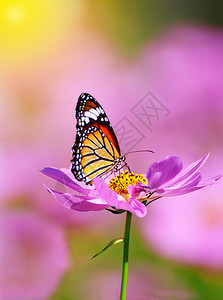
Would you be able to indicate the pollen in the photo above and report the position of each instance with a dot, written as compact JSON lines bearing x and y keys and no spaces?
{"x":120,"y":182}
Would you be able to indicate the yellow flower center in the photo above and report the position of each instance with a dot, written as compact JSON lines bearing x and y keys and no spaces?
{"x":120,"y":182}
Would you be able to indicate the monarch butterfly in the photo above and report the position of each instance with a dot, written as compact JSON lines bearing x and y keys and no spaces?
{"x":96,"y":150}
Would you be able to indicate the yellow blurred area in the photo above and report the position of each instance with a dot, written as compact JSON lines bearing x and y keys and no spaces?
{"x":30,"y":30}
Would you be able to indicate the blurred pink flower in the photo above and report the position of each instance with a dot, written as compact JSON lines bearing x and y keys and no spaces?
{"x":183,"y":68}
{"x":19,"y":166}
{"x":33,"y":256}
{"x":188,"y":229}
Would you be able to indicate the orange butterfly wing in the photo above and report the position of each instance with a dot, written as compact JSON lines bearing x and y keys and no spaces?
{"x":96,"y":148}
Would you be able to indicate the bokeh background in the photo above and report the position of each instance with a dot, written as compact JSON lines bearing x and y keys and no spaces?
{"x":132,"y":56}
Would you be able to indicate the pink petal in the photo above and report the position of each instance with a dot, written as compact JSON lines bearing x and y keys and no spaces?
{"x":105,"y":193}
{"x":61,"y":177}
{"x":193,"y":180}
{"x":186,"y":189}
{"x":189,"y":171}
{"x":163,"y":171}
{"x":134,"y":206}
{"x":138,"y":208}
{"x":77,"y":203}
{"x":211,"y":180}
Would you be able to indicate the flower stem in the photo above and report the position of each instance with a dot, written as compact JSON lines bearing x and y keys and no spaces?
{"x":125,"y":256}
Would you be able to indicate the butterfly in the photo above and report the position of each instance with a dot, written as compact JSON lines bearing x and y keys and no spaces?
{"x":96,"y":149}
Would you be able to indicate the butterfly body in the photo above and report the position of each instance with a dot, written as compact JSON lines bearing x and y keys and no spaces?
{"x":96,"y":150}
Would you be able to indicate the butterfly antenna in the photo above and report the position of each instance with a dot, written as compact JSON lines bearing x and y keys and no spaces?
{"x":127,"y":166}
{"x":139,"y":151}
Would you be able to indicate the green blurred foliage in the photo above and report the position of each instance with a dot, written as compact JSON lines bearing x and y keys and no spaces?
{"x":130,"y":24}
{"x":200,"y":283}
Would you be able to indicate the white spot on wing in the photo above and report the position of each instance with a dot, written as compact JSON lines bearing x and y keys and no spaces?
{"x":95,"y":111}
{"x":98,"y":111}
{"x":91,"y":115}
{"x":87,"y":120}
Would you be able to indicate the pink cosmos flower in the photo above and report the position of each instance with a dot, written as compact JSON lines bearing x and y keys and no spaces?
{"x":129,"y":191}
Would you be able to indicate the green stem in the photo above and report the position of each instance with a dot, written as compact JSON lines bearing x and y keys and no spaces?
{"x":125,"y":256}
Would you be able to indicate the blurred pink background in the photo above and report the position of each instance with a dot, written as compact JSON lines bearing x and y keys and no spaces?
{"x":131,"y":62}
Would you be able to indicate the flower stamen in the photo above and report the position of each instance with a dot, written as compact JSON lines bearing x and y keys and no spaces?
{"x":120,"y":182}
